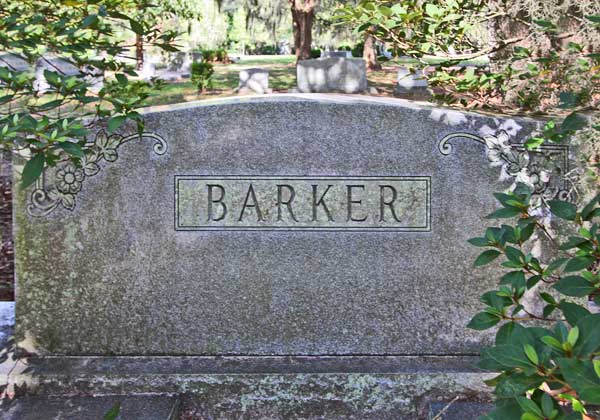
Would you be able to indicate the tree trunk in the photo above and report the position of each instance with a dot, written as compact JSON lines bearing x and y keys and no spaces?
{"x":139,"y":52}
{"x":369,"y":52}
{"x":303,"y":15}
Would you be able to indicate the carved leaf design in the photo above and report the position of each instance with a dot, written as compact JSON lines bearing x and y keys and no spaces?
{"x":68,"y":201}
{"x":542,"y":169}
{"x":66,"y":179}
{"x":91,"y":168}
{"x":110,"y":154}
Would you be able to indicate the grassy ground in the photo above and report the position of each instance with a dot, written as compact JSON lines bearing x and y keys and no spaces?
{"x":282,"y":76}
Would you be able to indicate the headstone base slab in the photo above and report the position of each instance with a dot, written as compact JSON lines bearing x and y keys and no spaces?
{"x":366,"y":387}
{"x":138,"y":407}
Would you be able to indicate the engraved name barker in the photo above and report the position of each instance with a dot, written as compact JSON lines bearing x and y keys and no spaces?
{"x":373,"y":203}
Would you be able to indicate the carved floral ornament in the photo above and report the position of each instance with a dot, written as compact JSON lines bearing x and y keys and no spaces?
{"x":543,"y":169}
{"x":59,"y":186}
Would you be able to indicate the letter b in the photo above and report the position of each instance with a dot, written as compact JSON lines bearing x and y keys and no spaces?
{"x":212,"y":200}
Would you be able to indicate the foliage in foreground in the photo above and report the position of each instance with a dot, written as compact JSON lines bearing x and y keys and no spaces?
{"x":548,"y":348}
{"x":46,"y":124}
{"x":538,"y":51}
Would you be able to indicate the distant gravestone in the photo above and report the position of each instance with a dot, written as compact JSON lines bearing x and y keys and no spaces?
{"x":148,"y":70}
{"x":253,"y":81}
{"x":94,"y":76}
{"x":196,"y":56}
{"x":409,"y":81}
{"x":334,"y":54}
{"x":179,"y":62}
{"x":272,"y":255}
{"x":13,"y":62}
{"x":347,"y":75}
{"x":54,"y":64}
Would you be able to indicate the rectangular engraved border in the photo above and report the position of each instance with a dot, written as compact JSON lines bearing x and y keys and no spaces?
{"x":426,"y":228}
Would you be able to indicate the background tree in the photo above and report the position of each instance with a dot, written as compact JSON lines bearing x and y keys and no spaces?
{"x":151,"y":20}
{"x":370,"y":50}
{"x":303,"y":16}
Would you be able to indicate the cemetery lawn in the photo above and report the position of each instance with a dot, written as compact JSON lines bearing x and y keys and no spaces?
{"x":282,"y":77}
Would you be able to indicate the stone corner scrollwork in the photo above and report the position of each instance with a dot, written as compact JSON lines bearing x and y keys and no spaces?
{"x":543,"y":168}
{"x":59,"y":186}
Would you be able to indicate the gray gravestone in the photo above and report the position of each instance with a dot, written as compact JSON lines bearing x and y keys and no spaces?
{"x":13,"y":62}
{"x":408,"y":81}
{"x":347,"y":75}
{"x":315,"y":227}
{"x":334,"y":54}
{"x":94,"y":76}
{"x":253,"y":81}
{"x":54,"y":64}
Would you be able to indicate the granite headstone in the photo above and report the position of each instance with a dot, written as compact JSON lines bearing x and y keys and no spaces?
{"x":297,"y":249}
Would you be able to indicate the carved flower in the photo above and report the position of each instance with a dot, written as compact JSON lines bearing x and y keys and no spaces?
{"x":500,"y":151}
{"x":516,"y":162}
{"x":68,"y":179}
{"x":538,"y":177}
{"x":497,"y":146}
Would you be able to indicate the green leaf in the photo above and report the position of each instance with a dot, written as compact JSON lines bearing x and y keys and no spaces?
{"x":534,"y":142}
{"x":582,"y":377}
{"x":504,"y":213}
{"x":51,"y":77}
{"x":552,"y":342}
{"x":568,"y":100}
{"x":72,"y":148}
{"x":574,"y":286}
{"x":573,"y":336}
{"x":486,"y":257}
{"x":548,"y":298}
{"x":504,"y":409}
{"x":563,"y":209}
{"x":90,"y":20}
{"x":121,"y":78}
{"x":115,"y":122}
{"x":514,"y":278}
{"x":32,"y":170}
{"x":171,"y":48}
{"x":573,"y":242}
{"x":554,"y":265}
{"x":596,"y":364}
{"x":530,"y":416}
{"x":589,"y":335}
{"x":579,"y":263}
{"x":113,"y":413}
{"x":530,"y":406}
{"x":547,"y":405}
{"x":573,"y":312}
{"x":479,"y":242}
{"x":136,"y":27}
{"x":531,"y":354}
{"x":49,"y":105}
{"x":516,"y":384}
{"x":509,"y":356}
{"x":573,"y":122}
{"x":432,"y":10}
{"x":514,"y":254}
{"x":483,"y":321}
